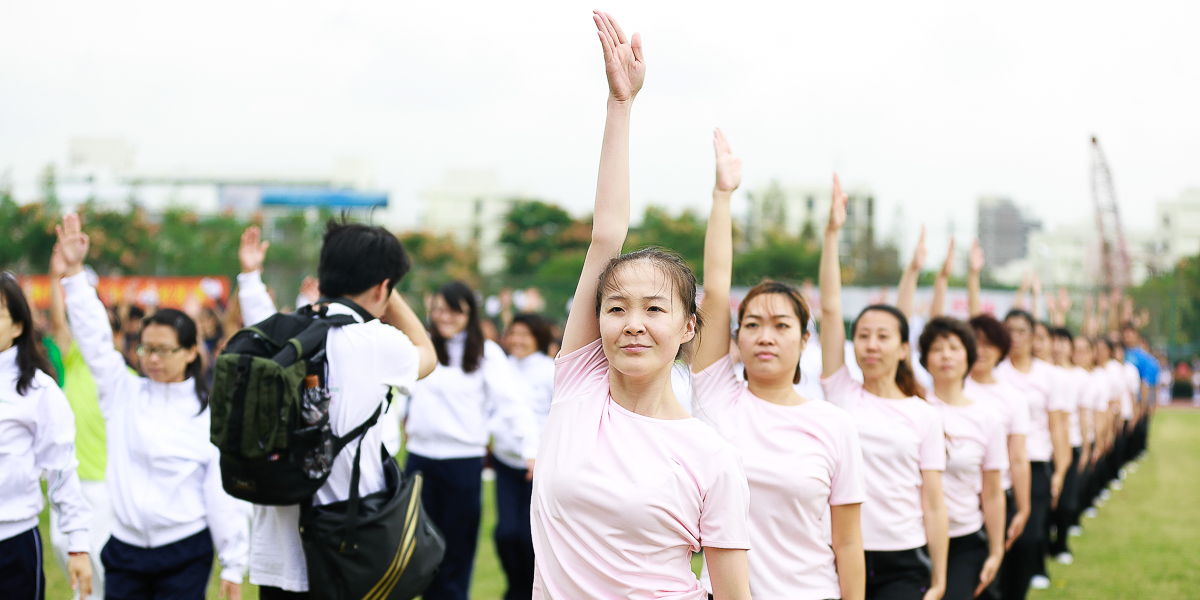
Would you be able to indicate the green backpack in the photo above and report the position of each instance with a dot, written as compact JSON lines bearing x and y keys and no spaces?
{"x":270,"y":407}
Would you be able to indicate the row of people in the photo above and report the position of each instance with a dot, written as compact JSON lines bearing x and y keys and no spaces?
{"x":887,"y":490}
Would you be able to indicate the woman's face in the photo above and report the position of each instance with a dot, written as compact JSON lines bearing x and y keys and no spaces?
{"x":9,"y":331}
{"x":1083,"y":354}
{"x":1102,"y":353}
{"x":449,"y":321}
{"x":988,"y":354}
{"x":769,"y":338}
{"x":642,"y":321}
{"x":161,"y":357}
{"x":878,"y":346}
{"x":520,"y":340}
{"x":1022,"y":335}
{"x":1062,"y":350}
{"x":1042,"y":343}
{"x":947,"y":359}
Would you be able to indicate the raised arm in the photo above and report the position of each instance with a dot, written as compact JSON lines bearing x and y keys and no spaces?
{"x":833,"y":331}
{"x":256,"y":304}
{"x":88,"y":319}
{"x":1035,"y":295}
{"x":974,"y":268}
{"x":59,"y":329}
{"x":908,"y":280}
{"x":626,"y":70}
{"x":1019,"y":300}
{"x":718,"y":258}
{"x":938,"y":304}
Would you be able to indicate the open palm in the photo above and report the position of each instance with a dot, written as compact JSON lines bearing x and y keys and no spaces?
{"x":729,"y":167}
{"x":837,"y":206}
{"x":623,"y":59}
{"x":73,"y":243}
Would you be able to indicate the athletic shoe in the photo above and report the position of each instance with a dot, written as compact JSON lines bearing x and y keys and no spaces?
{"x":1133,"y":466}
{"x":1064,"y":558}
{"x":1039,"y":582}
{"x":1117,"y":485}
{"x":488,"y":475}
{"x":1075,"y":531}
{"x":1105,"y":495}
{"x":1091,"y":513}
{"x":1122,"y":474}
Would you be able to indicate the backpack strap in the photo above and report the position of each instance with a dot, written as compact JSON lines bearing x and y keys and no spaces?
{"x":362,"y":312}
{"x":352,"y":504}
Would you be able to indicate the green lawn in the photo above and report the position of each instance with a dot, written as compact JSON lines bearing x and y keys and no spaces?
{"x":1143,"y":544}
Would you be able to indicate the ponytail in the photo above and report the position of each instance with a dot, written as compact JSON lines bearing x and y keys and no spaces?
{"x":906,"y":380}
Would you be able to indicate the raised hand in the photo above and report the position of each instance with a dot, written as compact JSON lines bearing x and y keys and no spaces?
{"x":623,"y":61}
{"x":729,"y":167}
{"x":58,"y":265}
{"x":310,"y":288}
{"x":975,"y":262}
{"x":1064,"y":301}
{"x":253,"y":250}
{"x":948,"y":266}
{"x":1036,"y":284}
{"x":73,"y":244}
{"x":837,"y":207}
{"x":918,"y":259}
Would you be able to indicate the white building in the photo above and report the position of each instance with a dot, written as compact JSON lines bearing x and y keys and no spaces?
{"x":1070,"y":256}
{"x":1178,"y":227}
{"x":471,"y":205}
{"x":789,"y":209}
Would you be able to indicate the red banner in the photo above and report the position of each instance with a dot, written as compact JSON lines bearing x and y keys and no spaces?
{"x":163,"y":292}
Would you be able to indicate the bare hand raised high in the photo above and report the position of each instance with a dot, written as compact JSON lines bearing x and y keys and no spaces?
{"x":73,"y":244}
{"x":729,"y":167}
{"x":623,"y":59}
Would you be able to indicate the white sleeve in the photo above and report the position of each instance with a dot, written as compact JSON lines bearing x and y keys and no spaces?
{"x":253,"y":298}
{"x":504,"y":391}
{"x":54,"y":453}
{"x":228,"y":523}
{"x":93,"y":333}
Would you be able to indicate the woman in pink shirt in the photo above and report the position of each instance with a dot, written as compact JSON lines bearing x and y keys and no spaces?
{"x":977,"y":452}
{"x":904,"y":523}
{"x":802,"y":456}
{"x":627,"y":484}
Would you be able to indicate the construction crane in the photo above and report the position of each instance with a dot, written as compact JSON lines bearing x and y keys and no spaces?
{"x":1114,"y":255}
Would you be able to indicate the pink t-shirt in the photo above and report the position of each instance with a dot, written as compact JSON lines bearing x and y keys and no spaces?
{"x":1075,"y":386}
{"x":1038,"y":386}
{"x":1107,"y":390}
{"x":799,"y":460}
{"x":975,"y":442}
{"x":900,"y":438}
{"x":621,"y":500}
{"x":1095,"y":394}
{"x":1010,"y":404}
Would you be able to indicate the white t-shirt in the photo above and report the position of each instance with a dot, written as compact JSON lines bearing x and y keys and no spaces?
{"x":365,"y":359}
{"x":1038,"y":387}
{"x":1102,"y":391}
{"x":900,"y":438}
{"x":535,"y":373}
{"x":1066,"y":394}
{"x":1120,"y":388}
{"x":621,"y":500}
{"x":1134,"y":380}
{"x":1078,"y":382}
{"x":799,"y":461}
{"x":975,"y":442}
{"x":1095,"y":395}
{"x":1010,"y":404}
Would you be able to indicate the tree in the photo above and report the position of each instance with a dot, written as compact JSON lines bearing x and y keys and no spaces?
{"x":437,"y":259}
{"x":535,"y":231}
{"x":683,"y":235}
{"x":780,"y":258}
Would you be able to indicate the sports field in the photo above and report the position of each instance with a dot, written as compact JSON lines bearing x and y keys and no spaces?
{"x":1143,"y":544}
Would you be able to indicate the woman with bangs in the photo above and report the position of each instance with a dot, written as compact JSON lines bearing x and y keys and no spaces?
{"x":904,"y":520}
{"x":976,"y":453}
{"x":802,"y":457}
{"x":1074,"y":387}
{"x":628,"y":485}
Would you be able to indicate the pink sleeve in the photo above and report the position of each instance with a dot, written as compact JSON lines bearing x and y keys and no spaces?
{"x":1063,"y":395}
{"x":725,"y":507}
{"x":847,"y":486}
{"x":716,"y":388}
{"x":580,"y":372}
{"x":933,"y":442}
{"x":995,"y":453}
{"x":841,"y":389}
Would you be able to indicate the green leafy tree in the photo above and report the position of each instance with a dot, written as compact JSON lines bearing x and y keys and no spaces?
{"x":781,"y":258}
{"x":683,"y":235}
{"x":535,"y":231}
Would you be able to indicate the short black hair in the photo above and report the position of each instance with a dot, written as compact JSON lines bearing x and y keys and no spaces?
{"x":355,"y":257}
{"x":1022,"y":314}
{"x":539,"y":327}
{"x":1062,"y":332}
{"x":994,"y":332}
{"x":940,"y":327}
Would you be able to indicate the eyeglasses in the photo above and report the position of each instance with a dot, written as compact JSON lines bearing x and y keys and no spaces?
{"x":144,"y":351}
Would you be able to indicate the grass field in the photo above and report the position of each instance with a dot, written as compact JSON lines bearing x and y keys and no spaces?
{"x":1143,"y":544}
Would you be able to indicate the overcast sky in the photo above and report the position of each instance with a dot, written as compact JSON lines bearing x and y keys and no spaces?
{"x":930,"y":104}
